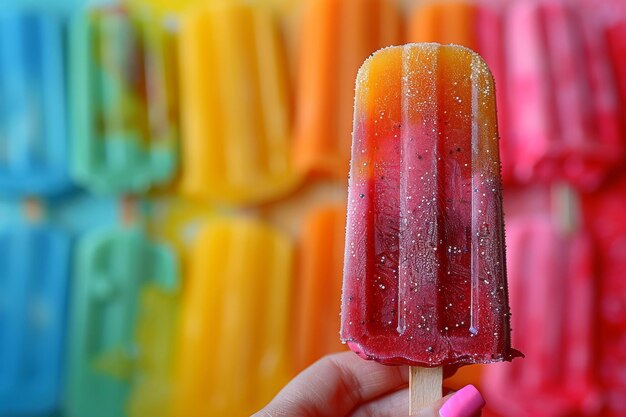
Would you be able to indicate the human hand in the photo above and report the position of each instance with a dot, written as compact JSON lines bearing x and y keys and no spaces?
{"x":345,"y":385}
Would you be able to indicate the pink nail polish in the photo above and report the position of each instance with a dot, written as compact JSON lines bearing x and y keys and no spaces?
{"x":464,"y":403}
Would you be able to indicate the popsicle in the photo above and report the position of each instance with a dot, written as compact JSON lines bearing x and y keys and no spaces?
{"x":318,"y":284}
{"x":616,"y":40}
{"x":124,"y":124}
{"x":477,"y":26}
{"x":604,"y":217}
{"x":336,"y":37}
{"x":155,"y":335}
{"x":34,"y":268}
{"x":33,"y":135}
{"x":551,"y":274}
{"x":424,"y":275}
{"x":563,"y":106}
{"x":235,"y":102}
{"x":112,"y":266}
{"x":234,"y":320}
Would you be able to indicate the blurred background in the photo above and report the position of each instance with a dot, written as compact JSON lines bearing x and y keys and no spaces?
{"x":173,"y":177}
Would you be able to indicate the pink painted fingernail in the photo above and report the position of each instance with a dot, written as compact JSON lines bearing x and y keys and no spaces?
{"x":466,"y":402}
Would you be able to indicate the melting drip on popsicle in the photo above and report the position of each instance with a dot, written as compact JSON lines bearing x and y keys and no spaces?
{"x":424,"y":276}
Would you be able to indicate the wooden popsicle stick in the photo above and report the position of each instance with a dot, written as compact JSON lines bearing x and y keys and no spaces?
{"x":33,"y":209}
{"x":424,"y":387}
{"x":565,"y":206}
{"x":128,"y":209}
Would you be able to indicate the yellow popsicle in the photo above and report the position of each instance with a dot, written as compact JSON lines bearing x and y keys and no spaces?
{"x":232,"y":354}
{"x":235,"y":104}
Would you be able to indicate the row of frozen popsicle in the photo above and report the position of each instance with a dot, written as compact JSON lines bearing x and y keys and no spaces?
{"x":111,"y":267}
{"x":567,"y":292}
{"x":218,"y":334}
{"x":256,"y":100}
{"x":106,"y":130}
{"x":141,"y":342}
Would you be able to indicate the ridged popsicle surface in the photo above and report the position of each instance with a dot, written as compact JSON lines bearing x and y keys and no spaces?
{"x":235,"y":104}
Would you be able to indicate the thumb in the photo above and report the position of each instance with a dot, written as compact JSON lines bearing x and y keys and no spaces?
{"x":467,"y":402}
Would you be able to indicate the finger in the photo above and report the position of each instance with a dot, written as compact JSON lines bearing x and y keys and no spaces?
{"x":389,"y":405}
{"x":433,"y":409}
{"x":396,"y":404}
{"x":466,"y":402}
{"x":334,"y":386}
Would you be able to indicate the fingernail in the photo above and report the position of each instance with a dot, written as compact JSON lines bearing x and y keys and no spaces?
{"x":464,"y":403}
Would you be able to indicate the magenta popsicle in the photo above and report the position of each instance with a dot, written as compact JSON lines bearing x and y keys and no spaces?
{"x":564,"y":115}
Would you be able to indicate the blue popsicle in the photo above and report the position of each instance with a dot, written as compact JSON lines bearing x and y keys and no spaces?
{"x":34,"y":267}
{"x":34,"y":145}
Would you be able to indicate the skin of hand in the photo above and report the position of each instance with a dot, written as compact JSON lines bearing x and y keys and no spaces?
{"x":343,"y":384}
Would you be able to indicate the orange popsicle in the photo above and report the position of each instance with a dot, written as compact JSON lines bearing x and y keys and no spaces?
{"x":445,"y":22}
{"x":320,"y":270}
{"x":337,"y":36}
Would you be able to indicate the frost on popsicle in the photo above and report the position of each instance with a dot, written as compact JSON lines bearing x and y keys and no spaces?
{"x":425,"y":275}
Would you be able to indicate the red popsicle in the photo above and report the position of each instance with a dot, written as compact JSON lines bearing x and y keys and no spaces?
{"x":424,"y":275}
